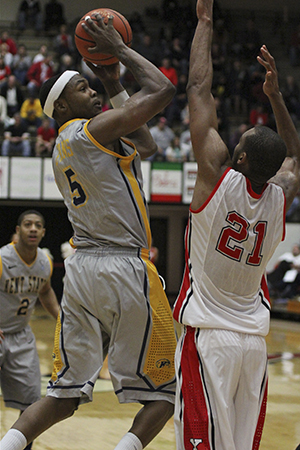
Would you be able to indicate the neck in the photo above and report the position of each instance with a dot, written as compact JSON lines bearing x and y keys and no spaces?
{"x":257,"y":187}
{"x":27,"y":254}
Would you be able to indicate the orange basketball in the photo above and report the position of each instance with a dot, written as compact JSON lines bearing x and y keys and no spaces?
{"x":83,"y":40}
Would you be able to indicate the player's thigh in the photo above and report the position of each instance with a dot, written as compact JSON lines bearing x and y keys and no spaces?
{"x":20,"y":374}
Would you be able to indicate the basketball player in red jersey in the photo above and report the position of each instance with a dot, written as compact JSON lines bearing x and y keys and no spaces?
{"x":237,"y":219}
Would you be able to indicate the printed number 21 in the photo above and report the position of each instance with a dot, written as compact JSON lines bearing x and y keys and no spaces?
{"x":240,"y":234}
{"x":78,"y":194}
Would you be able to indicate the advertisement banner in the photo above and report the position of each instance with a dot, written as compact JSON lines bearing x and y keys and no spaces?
{"x":166,"y":182}
{"x":25,"y":180}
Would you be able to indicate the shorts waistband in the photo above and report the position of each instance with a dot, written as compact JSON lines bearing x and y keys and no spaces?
{"x":115,"y":251}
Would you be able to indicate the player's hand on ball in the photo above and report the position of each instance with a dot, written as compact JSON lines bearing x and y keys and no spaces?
{"x":107,"y":39}
{"x":105,"y":73}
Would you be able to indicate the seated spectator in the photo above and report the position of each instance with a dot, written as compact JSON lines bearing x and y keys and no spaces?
{"x":66,"y":62}
{"x":6,"y":55}
{"x":174,"y":152}
{"x":5,"y":71}
{"x":6,"y":39}
{"x":16,"y":139}
{"x":168,"y":70}
{"x":258,"y":116}
{"x":30,"y":15}
{"x":54,"y":15}
{"x":45,"y":138}
{"x":31,"y":111}
{"x":284,"y":280}
{"x":186,"y":143}
{"x":162,"y":135}
{"x":21,"y":63}
{"x":4,"y":119}
{"x":42,"y":53}
{"x":39,"y":72}
{"x":295,"y":47}
{"x":13,"y":94}
{"x":63,"y":42}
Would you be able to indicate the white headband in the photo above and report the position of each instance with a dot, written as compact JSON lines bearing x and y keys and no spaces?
{"x":56,"y":90}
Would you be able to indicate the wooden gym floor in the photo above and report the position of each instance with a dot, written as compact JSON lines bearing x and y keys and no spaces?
{"x":100,"y":425}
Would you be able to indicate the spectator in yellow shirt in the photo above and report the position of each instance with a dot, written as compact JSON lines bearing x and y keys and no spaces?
{"x":31,"y":111}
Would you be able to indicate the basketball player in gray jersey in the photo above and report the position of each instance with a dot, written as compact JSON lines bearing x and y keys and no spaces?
{"x":25,"y":276}
{"x":113,"y":300}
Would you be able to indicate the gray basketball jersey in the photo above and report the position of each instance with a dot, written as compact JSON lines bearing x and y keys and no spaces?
{"x":20,"y":284}
{"x":101,"y":189}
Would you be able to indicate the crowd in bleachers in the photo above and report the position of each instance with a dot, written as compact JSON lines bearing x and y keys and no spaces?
{"x":237,"y":83}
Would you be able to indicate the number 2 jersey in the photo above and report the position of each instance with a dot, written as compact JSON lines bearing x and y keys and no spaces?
{"x":101,"y":189}
{"x":20,"y":284}
{"x":228,"y":244}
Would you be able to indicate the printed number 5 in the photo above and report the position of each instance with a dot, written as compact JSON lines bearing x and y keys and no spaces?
{"x":78,"y":195}
{"x":240,"y":234}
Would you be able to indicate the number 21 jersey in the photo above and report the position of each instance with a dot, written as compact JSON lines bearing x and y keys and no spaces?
{"x":228,"y":244}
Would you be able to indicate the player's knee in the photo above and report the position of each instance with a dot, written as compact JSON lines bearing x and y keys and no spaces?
{"x":168,"y":410}
{"x":67,"y":407}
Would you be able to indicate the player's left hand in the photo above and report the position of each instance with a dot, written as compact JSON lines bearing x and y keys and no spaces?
{"x":1,"y":336}
{"x":270,"y":85}
{"x":105,"y":73}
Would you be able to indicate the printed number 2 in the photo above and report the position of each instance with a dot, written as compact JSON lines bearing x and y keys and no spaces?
{"x":23,"y":308}
{"x":240,"y":234}
{"x":76,"y":188}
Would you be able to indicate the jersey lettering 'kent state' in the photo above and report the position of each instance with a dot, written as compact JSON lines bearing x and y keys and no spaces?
{"x":93,"y":197}
{"x":20,"y":284}
{"x":230,"y":239}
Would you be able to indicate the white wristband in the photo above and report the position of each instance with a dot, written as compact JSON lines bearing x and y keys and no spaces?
{"x":118,"y":100}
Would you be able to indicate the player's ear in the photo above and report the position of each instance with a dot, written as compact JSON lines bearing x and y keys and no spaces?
{"x":242,"y":159}
{"x":60,"y":106}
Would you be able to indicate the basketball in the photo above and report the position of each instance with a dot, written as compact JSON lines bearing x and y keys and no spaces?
{"x":83,"y":40}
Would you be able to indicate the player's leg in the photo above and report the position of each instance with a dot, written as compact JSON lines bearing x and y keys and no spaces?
{"x":148,"y":422}
{"x":36,"y":419}
{"x":252,"y":391}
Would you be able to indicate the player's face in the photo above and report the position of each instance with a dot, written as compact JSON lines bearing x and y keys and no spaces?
{"x":83,"y":101}
{"x":31,"y":231}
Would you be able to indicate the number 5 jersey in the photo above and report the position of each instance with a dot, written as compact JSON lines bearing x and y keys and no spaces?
{"x":228,"y":244}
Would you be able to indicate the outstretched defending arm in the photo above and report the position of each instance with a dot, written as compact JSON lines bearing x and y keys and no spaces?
{"x":210,"y":151}
{"x":288,"y":177}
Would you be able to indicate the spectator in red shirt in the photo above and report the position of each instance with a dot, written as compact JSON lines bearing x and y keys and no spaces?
{"x":5,"y":71}
{"x":258,"y":116}
{"x":168,"y":70}
{"x":39,"y":72}
{"x":45,"y":139}
{"x":5,"y":39}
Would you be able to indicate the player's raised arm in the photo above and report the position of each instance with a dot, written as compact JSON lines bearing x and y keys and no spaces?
{"x":155,"y":93}
{"x":110,"y":78}
{"x":210,"y":151}
{"x":288,"y":177}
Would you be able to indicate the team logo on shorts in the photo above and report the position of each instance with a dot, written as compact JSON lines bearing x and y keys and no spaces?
{"x":164,"y":362}
{"x":195,"y":443}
